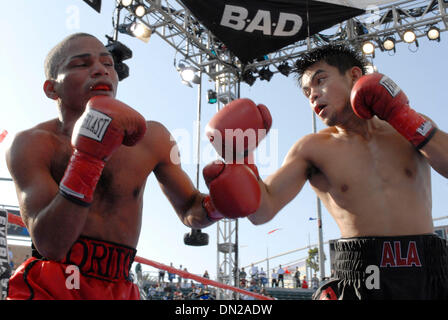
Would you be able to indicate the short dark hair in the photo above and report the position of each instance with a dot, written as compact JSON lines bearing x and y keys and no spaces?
{"x":54,"y":57}
{"x":340,"y":56}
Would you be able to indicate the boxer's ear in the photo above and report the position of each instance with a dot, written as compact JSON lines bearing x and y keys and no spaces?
{"x":355,"y":74}
{"x":49,"y":89}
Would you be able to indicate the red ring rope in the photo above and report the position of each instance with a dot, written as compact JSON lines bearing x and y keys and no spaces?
{"x":14,"y":219}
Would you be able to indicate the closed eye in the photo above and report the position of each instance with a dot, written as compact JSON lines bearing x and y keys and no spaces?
{"x":320,"y":80}
{"x":306,"y":92}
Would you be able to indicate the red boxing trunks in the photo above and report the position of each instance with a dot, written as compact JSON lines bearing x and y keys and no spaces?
{"x":92,"y":270}
{"x":388,"y":268}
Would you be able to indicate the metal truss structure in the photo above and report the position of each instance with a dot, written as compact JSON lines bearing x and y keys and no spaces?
{"x":171,"y":20}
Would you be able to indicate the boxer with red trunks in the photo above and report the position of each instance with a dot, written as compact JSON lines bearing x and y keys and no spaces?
{"x":371,"y":168}
{"x":80,"y":180}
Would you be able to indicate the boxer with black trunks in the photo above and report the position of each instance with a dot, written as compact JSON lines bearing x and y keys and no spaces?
{"x":80,"y":180}
{"x":371,"y":169}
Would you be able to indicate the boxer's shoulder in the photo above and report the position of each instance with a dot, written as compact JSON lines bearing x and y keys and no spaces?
{"x":43,"y":138}
{"x":158,"y":139}
{"x":33,"y":151}
{"x":156,"y":130}
{"x":307,"y":145}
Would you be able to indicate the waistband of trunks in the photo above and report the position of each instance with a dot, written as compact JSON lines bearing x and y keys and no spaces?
{"x":422,"y":252}
{"x":100,"y":259}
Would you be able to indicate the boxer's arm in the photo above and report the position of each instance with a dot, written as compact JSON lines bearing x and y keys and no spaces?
{"x":174,"y":182}
{"x":53,"y":222}
{"x":281,"y":187}
{"x":436,"y":151}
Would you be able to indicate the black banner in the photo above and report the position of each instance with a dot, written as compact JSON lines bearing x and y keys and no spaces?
{"x":5,"y":270}
{"x":95,"y":4}
{"x":253,"y":28}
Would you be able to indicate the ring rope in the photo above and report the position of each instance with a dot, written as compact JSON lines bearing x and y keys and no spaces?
{"x":14,"y":219}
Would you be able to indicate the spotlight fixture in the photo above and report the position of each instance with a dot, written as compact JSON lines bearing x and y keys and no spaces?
{"x":284,"y":68}
{"x":368,"y":48}
{"x":140,"y":31}
{"x":370,"y":68}
{"x":126,"y":3}
{"x":140,"y":10}
{"x":248,"y":77}
{"x":265,"y":74}
{"x":409,"y":36}
{"x":196,"y":238}
{"x":136,"y":29}
{"x":389,"y":44}
{"x":212,"y":96}
{"x":433,"y":33}
{"x":188,"y":73}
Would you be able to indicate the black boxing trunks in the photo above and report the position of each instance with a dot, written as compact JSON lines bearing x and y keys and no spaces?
{"x":388,"y":268}
{"x":92,"y":270}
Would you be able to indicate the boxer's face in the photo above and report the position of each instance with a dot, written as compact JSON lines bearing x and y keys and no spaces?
{"x":86,"y":70}
{"x":328,"y":92}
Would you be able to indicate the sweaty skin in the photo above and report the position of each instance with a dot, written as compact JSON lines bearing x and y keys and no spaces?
{"x":371,"y":179}
{"x":39,"y":156}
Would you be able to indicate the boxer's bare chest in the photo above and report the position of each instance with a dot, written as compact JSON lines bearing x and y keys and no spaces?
{"x":351,"y":170}
{"x":123,"y":176}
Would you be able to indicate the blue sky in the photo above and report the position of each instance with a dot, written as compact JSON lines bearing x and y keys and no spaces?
{"x":155,"y":90}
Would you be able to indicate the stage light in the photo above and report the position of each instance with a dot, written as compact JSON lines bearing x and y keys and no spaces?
{"x":196,"y":238}
{"x":212,"y":96}
{"x":141,"y":31}
{"x":126,"y":3}
{"x":368,"y":48}
{"x":188,"y":74}
{"x":389,"y":44}
{"x":284,"y":68}
{"x":136,"y":29}
{"x":433,"y":33}
{"x":370,"y":68}
{"x":266,"y":74}
{"x":248,"y":77}
{"x":140,"y":10}
{"x":409,"y":36}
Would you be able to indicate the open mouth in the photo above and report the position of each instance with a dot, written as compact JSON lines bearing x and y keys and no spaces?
{"x":318,"y":109}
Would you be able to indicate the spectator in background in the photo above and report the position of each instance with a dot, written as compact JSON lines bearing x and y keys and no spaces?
{"x":243,"y":276}
{"x":171,"y":276}
{"x":206,"y":275}
{"x":263,"y":278}
{"x":281,"y":273}
{"x":205,"y":295}
{"x":151,"y":292}
{"x":274,"y":277}
{"x":178,"y":295}
{"x":185,"y":280}
{"x":254,"y":272}
{"x":161,"y":276}
{"x":314,"y":282}
{"x":297,"y":278}
{"x":179,"y":278}
{"x":138,"y":272}
{"x":11,"y":262}
{"x":304,"y":283}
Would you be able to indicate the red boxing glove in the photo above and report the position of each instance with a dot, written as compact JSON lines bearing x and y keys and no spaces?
{"x":234,"y":190}
{"x":377,"y":94}
{"x":238,"y":128}
{"x":103,"y":127}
